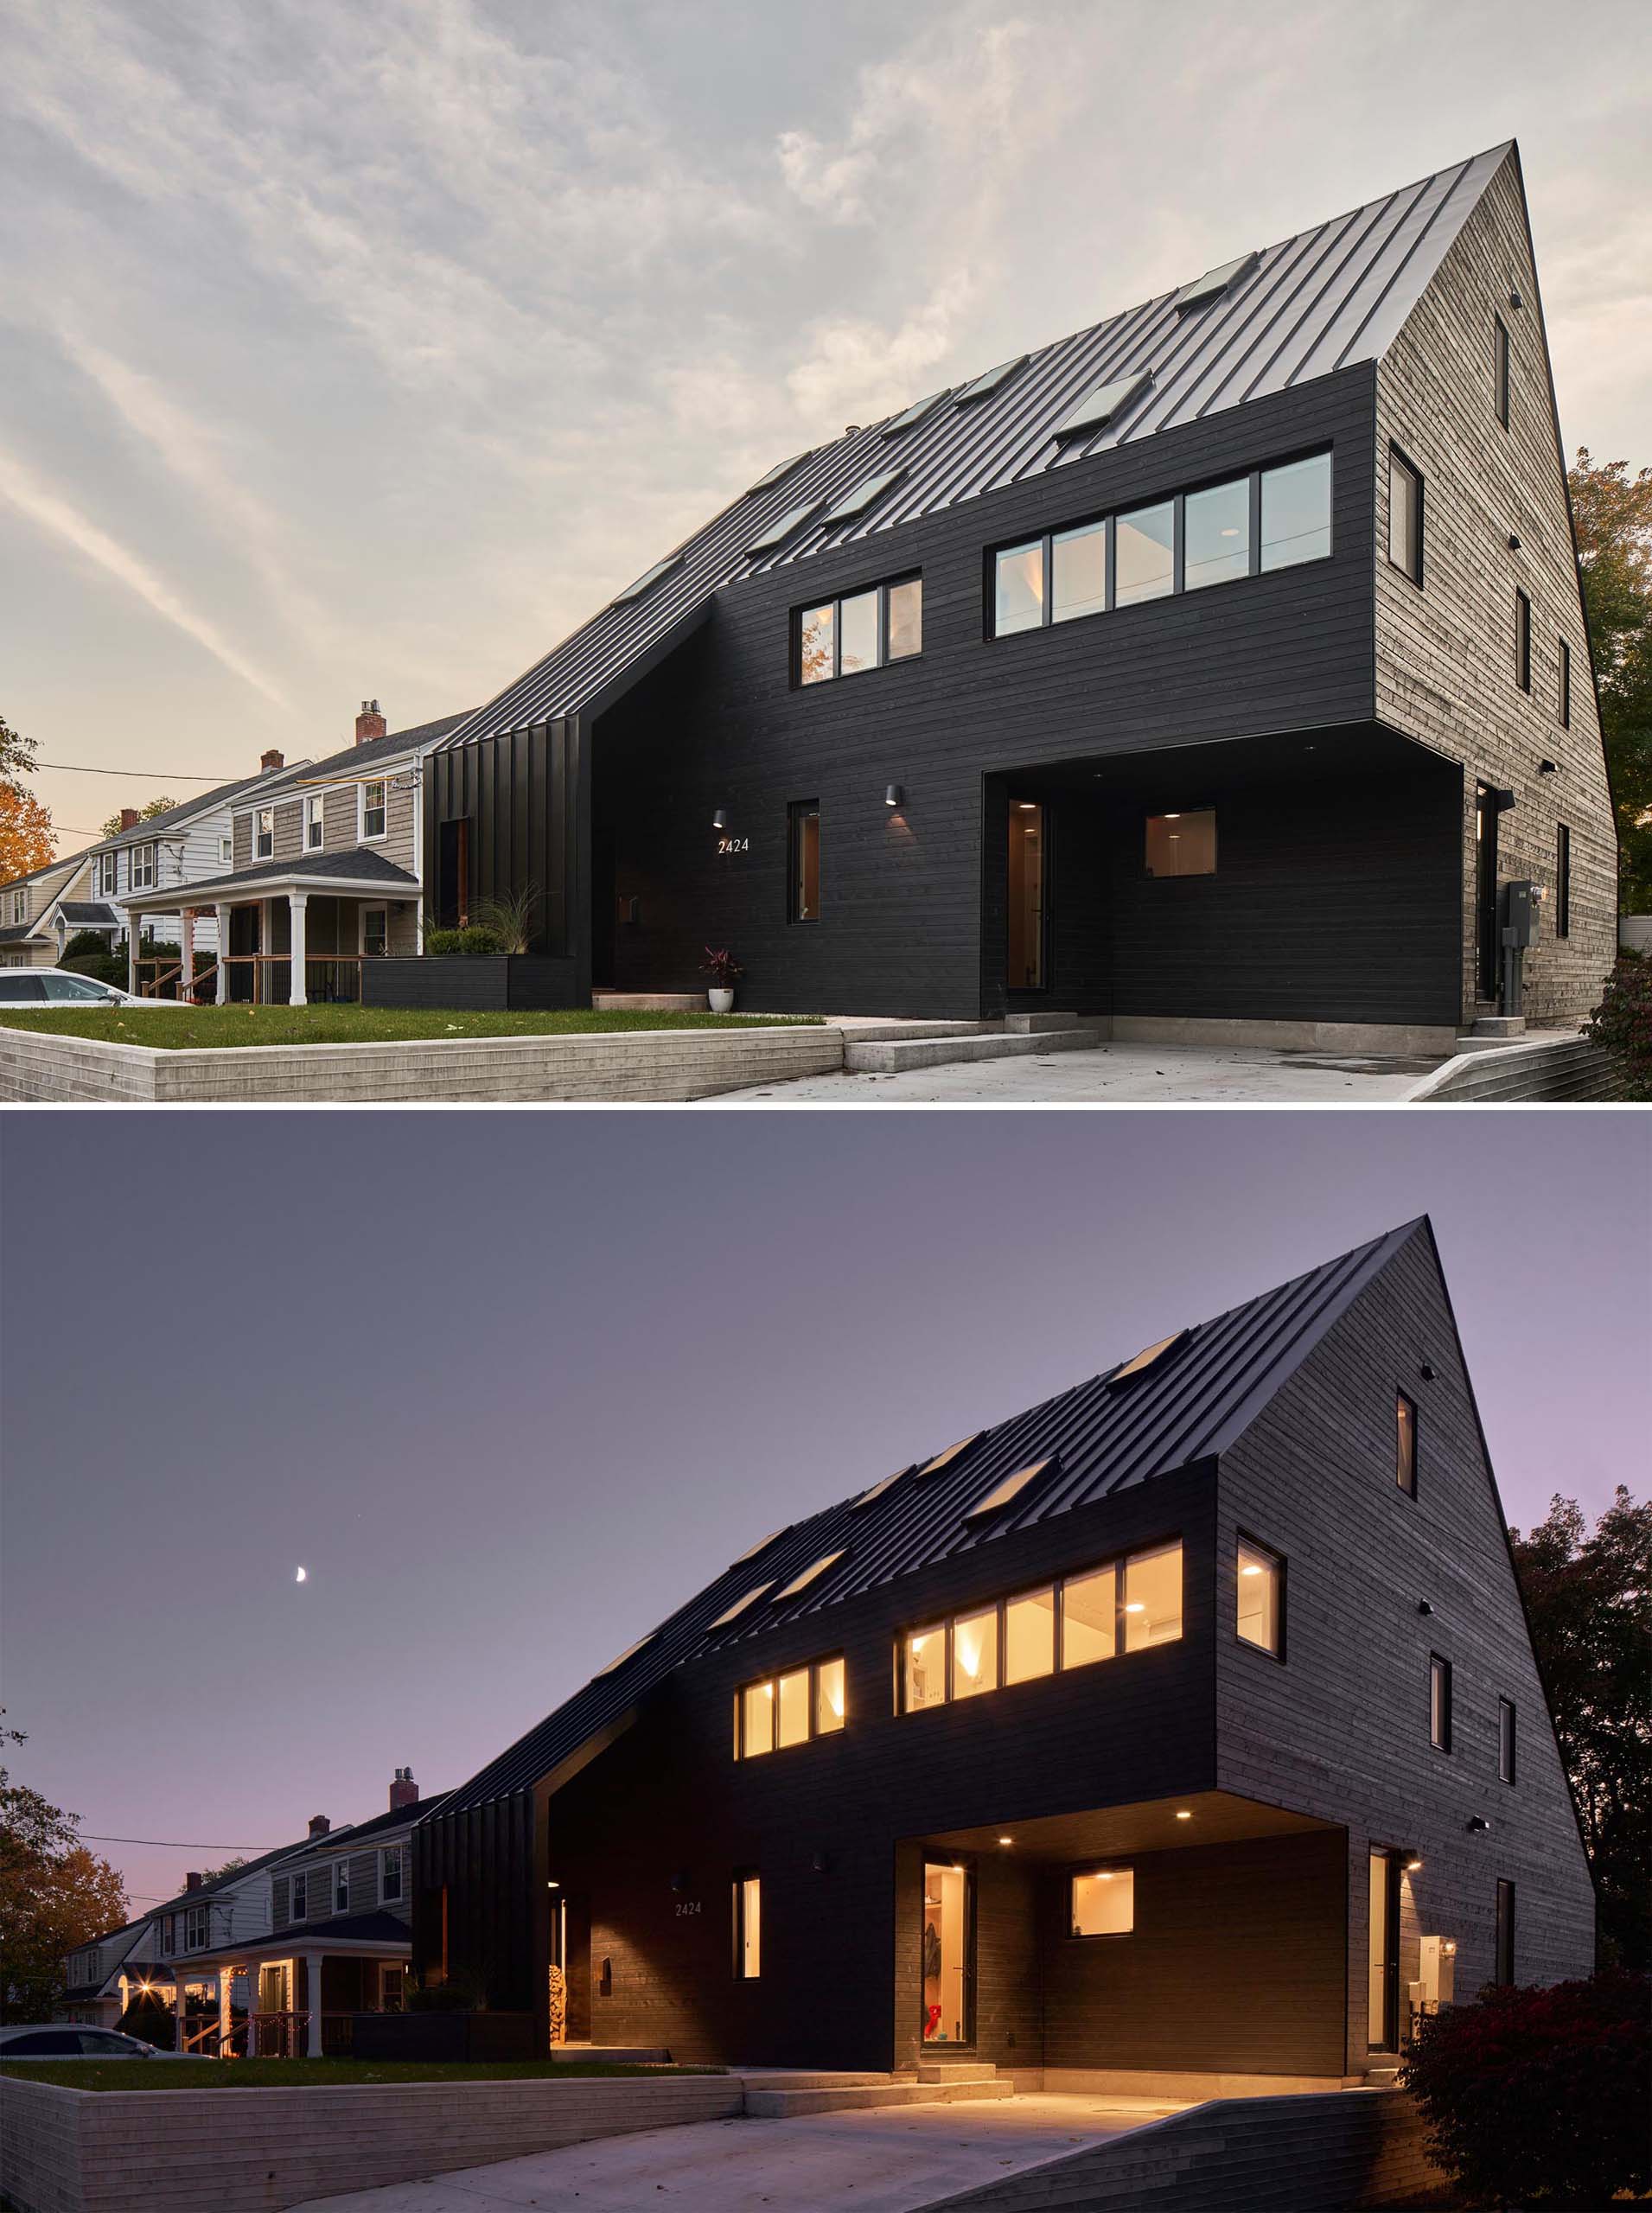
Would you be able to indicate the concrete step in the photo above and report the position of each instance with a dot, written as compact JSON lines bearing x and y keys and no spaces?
{"x":614,"y":2054}
{"x":804,"y":2078}
{"x":790,"y":2105}
{"x":896,"y":1058}
{"x":866,"y":1030}
{"x":660,"y":1002}
{"x":956,"y":2070}
{"x":1506,"y":1026}
{"x":1024,"y":1025}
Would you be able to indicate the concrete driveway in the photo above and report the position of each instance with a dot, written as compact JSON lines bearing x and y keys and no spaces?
{"x":891,"y":2161}
{"x":1116,"y":1074}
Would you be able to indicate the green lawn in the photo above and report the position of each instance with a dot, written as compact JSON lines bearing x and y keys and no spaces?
{"x":284,"y":2074}
{"x":175,"y":1028}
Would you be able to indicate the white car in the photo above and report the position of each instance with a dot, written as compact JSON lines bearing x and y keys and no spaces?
{"x":61,"y":2041}
{"x":62,"y":988}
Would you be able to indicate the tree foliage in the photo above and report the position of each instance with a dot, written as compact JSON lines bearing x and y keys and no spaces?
{"x":1538,"y":2097}
{"x":54,"y":1896}
{"x":1613,"y":512}
{"x":1623,"y":1022}
{"x":16,"y":754}
{"x":27,"y":838}
{"x":1590,"y":1600}
{"x":111,"y":828}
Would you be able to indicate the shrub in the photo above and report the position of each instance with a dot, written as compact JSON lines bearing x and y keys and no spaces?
{"x":107,"y":967}
{"x":473,"y":942}
{"x":511,"y":917}
{"x":455,"y":1995}
{"x":1623,"y":1022}
{"x":1538,"y":2097}
{"x":722,"y":967}
{"x":151,"y":2018}
{"x":84,"y":941}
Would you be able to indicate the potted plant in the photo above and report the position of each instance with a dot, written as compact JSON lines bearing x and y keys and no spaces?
{"x":725,"y":973}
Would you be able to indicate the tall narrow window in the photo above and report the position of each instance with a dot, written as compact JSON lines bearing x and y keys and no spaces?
{"x":341,"y":1886}
{"x":1382,"y":2000}
{"x":1405,"y":1444}
{"x":1152,"y":1598}
{"x":748,"y":1928}
{"x":313,"y":822}
{"x":390,"y":1880}
{"x":1439,"y":1703}
{"x":263,"y":834}
{"x":1025,"y":896}
{"x":975,"y":1653}
{"x":1261,"y":1598}
{"x":1145,"y":546}
{"x":1522,"y":640}
{"x":1029,"y":1636}
{"x":1078,"y":564}
{"x":1405,"y":516}
{"x":300,"y":1896}
{"x":1505,"y":1968}
{"x":374,"y":802}
{"x":1505,"y":1740}
{"x":1562,"y":880}
{"x":1090,"y":1617}
{"x":804,"y":818}
{"x":1563,"y":686}
{"x":1500,"y":368}
{"x":1019,"y":588}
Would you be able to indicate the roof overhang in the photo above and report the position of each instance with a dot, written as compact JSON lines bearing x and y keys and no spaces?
{"x":289,"y":1945}
{"x":177,"y":896}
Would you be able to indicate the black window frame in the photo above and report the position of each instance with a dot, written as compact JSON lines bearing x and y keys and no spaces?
{"x":1398,"y":457}
{"x":739,"y":1878}
{"x":812,"y":1669}
{"x":1502,"y":367}
{"x":1079,"y":1868}
{"x":1563,"y":686}
{"x":1406,"y":1489}
{"x":1503,"y":1960}
{"x":298,"y":1896}
{"x":1162,"y":814}
{"x":1393,"y":1873}
{"x":1107,"y":519}
{"x":1275,"y":1651}
{"x":1439,"y":1670}
{"x":1508,"y":1742}
{"x":882,"y":587}
{"x":1523,"y":638}
{"x":799,"y":810}
{"x":1562,"y":879}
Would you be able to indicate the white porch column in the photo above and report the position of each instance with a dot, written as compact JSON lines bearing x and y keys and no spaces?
{"x":134,"y":927}
{"x":186,"y":953}
{"x":313,"y":1975}
{"x":180,"y":2028}
{"x":296,"y":903}
{"x":226,"y":1976}
{"x":266,"y":945}
{"x":251,"y":1973}
{"x":222,"y":913}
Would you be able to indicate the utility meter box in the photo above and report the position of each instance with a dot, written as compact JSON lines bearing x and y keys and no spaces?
{"x":1519,"y":910}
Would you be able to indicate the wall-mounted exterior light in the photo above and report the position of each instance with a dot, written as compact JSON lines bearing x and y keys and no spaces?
{"x":1514,"y":542}
{"x":720,"y":819}
{"x":1414,"y":1866}
{"x":893,"y":795}
{"x":1422,"y":1606}
{"x":1548,"y":767}
{"x":1478,"y":1825}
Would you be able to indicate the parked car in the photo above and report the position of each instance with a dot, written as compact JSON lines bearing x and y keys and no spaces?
{"x":62,"y":2042}
{"x":62,"y":988}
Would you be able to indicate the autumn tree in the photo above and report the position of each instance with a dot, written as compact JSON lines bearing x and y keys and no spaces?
{"x":54,"y":1896}
{"x":1589,"y":1598}
{"x":112,"y":828}
{"x":26,"y":839}
{"x":1613,"y":512}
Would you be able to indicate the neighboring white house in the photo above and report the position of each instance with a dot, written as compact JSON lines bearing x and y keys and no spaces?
{"x":28,"y":904}
{"x":97,"y":1976}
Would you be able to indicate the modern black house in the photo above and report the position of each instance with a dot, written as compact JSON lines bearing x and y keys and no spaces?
{"x":1185,"y":1725}
{"x":1210,"y":672}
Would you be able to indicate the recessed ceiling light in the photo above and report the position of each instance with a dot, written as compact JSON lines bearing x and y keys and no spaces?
{"x":1184,"y":1814}
{"x":1006,"y":1839}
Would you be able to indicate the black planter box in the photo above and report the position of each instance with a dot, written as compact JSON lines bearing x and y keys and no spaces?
{"x":494,"y":982}
{"x":439,"y":2037}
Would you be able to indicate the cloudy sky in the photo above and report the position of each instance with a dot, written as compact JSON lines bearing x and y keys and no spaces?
{"x":510,"y":1419}
{"x":367,"y":347}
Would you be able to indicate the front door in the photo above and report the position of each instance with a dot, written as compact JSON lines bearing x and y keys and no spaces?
{"x":948,"y":1939}
{"x":244,"y":925}
{"x":1487,"y":950}
{"x":1026,"y":877}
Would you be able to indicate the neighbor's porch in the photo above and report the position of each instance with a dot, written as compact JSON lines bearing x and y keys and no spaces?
{"x":292,"y":1997}
{"x":293,"y":938}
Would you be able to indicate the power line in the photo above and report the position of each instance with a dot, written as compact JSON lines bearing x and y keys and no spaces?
{"x":151,"y":775}
{"x":171,"y":1844}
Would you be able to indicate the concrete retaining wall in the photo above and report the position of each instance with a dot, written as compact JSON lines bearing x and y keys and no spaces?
{"x":639,"y":1065}
{"x":255,"y":2150}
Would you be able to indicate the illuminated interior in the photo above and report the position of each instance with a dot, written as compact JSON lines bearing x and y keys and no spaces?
{"x":788,"y":1709}
{"x":944,"y":2017}
{"x":1104,"y":1902}
{"x":1025,"y":896}
{"x":1259,"y":1594}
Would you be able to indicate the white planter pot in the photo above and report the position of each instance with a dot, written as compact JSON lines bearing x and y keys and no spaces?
{"x":722,"y":1000}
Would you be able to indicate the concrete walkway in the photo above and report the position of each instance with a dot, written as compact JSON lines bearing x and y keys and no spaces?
{"x":892,"y":2161}
{"x":1116,"y":1075}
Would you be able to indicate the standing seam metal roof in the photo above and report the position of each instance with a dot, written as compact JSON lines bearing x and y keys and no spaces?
{"x":1188,"y":1406}
{"x":1333,"y":295}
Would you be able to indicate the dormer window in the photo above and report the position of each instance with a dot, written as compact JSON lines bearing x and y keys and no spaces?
{"x":143,"y":868}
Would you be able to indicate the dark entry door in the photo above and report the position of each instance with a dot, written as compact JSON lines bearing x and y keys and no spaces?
{"x":948,"y":2007}
{"x":604,"y":906}
{"x":1026,"y":888}
{"x":244,"y":924}
{"x":1485,"y":892}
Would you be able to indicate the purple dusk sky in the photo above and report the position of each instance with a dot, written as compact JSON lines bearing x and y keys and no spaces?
{"x":512,"y":1386}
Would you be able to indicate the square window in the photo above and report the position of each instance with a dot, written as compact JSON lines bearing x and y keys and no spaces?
{"x":1018,"y":602}
{"x":1029,"y":1636}
{"x":926,"y":1668}
{"x":1182,"y":844}
{"x":1153,"y":1597}
{"x":1216,"y":527}
{"x":829,"y":1698}
{"x":1104,"y":1903}
{"x":1260,"y":1619}
{"x":1090,"y":1617}
{"x":975,"y":1653}
{"x":1078,"y":572}
{"x":1405,"y":516}
{"x":858,"y":633}
{"x":1296,"y":512}
{"x":1143,"y":554}
{"x":793,"y":1724}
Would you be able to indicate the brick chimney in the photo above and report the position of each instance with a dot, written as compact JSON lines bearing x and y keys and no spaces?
{"x":404,"y":1791}
{"x":319,"y":1824}
{"x":192,"y":1882}
{"x":369,"y":723}
{"x":129,"y":817}
{"x":270,"y":761}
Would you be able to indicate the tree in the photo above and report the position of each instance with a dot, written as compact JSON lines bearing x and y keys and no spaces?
{"x":54,"y":1896}
{"x":1589,"y":1600}
{"x":27,"y":838}
{"x":217,"y":1874}
{"x":16,"y":754}
{"x":1613,"y":512}
{"x":112,"y":828}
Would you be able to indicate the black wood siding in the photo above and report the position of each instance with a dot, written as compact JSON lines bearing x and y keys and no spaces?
{"x":525,"y":799}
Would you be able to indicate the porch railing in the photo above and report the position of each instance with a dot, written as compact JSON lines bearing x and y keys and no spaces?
{"x":257,"y":978}
{"x":273,"y":2036}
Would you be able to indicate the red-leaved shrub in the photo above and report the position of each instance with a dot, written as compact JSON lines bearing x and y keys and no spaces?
{"x":1538,"y":2097}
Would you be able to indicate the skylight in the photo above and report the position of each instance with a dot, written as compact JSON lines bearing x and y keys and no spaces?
{"x":991,"y":382}
{"x":629,"y":1653}
{"x":886,"y":1483}
{"x":1147,"y":1358}
{"x":761,"y":1545}
{"x":733,"y":1612}
{"x":869,"y":489}
{"x":648,"y":579}
{"x":944,"y":1459}
{"x":1214,"y":283}
{"x":915,"y":413}
{"x":778,"y":533}
{"x":1011,"y":1487}
{"x":1099,"y":405}
{"x":780,"y":468}
{"x":812,"y":1573}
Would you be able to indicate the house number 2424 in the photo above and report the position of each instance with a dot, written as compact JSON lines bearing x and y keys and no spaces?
{"x":734,"y":844}
{"x":686,"y":1906}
